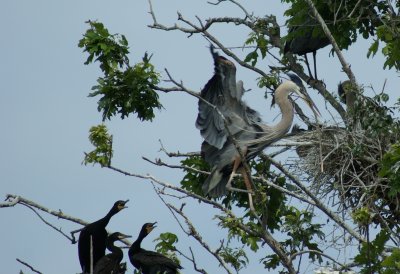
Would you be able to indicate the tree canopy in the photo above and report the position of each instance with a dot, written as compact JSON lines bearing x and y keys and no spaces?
{"x":330,"y":187}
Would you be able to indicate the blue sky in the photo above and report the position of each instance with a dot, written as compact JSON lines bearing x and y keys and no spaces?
{"x":46,"y":115}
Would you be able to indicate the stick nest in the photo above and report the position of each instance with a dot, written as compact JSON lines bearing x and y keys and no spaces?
{"x":345,"y":163}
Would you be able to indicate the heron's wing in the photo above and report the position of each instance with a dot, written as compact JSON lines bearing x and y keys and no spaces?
{"x":222,"y":98}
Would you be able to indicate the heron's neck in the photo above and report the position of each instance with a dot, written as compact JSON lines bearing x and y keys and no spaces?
{"x":286,"y":121}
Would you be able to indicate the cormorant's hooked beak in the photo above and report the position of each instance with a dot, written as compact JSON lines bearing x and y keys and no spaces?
{"x":125,"y":203}
{"x":123,"y":236}
{"x":150,"y":227}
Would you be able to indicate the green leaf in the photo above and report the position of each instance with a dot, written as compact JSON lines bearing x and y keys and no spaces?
{"x":102,"y":141}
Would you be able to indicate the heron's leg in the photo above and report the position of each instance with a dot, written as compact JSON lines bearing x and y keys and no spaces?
{"x":308,"y":66}
{"x":315,"y":64}
{"x":236,"y":164}
{"x":249,"y":188}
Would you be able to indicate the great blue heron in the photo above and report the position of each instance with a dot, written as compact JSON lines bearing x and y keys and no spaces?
{"x":223,"y":117}
{"x":306,"y":40}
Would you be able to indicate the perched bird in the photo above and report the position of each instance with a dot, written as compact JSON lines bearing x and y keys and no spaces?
{"x":228,"y":116}
{"x":306,"y":40}
{"x":96,"y":234}
{"x":109,"y":264}
{"x":150,"y":262}
{"x":347,"y":94}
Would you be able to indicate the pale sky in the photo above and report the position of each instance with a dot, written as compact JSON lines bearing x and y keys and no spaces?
{"x":46,"y":115}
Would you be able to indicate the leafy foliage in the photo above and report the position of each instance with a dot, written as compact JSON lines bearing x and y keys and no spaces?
{"x":261,"y":43}
{"x":301,"y":231}
{"x":192,"y":180}
{"x":389,"y":33}
{"x":362,"y":216}
{"x":102,"y":141}
{"x":370,"y":255}
{"x":391,"y":264}
{"x":365,"y":18}
{"x":236,"y":257}
{"x":166,"y":245}
{"x":390,"y":169}
{"x":124,"y":89}
{"x":109,"y":49}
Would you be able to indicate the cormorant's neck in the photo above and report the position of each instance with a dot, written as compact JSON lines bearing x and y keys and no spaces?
{"x":115,"y":250}
{"x":135,"y":247}
{"x":106,"y":219}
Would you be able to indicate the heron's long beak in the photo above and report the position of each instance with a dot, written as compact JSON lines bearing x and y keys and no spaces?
{"x":304,"y":95}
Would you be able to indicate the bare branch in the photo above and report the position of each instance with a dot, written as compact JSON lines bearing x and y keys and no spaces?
{"x":193,"y":233}
{"x":160,"y":192}
{"x":12,"y":201}
{"x":248,"y":15}
{"x":318,"y":203}
{"x":294,"y":255}
{"x":265,"y":235}
{"x":50,"y":225}
{"x":33,"y":206}
{"x":58,"y":213}
{"x":159,"y":162}
{"x":354,"y":9}
{"x":28,"y":265}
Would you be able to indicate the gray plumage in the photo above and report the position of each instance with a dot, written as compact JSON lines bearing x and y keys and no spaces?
{"x":242,"y":122}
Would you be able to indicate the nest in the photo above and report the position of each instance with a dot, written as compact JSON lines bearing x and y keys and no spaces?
{"x":345,"y":164}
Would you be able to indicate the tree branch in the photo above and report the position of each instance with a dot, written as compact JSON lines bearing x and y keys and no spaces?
{"x":28,"y":265}
{"x":318,"y":203}
{"x":345,"y":65}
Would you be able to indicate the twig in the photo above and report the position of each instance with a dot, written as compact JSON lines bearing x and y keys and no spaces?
{"x":318,"y":203}
{"x":28,"y":265}
{"x":159,"y":162}
{"x":49,"y":224}
{"x":12,"y":201}
{"x":294,"y":255}
{"x":177,"y":154}
{"x":160,"y":192}
{"x":193,"y":233}
{"x":15,"y":199}
{"x":354,"y":9}
{"x":265,"y":235}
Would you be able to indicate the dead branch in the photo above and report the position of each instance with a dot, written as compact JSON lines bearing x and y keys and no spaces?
{"x":29,"y":266}
{"x":317,"y":201}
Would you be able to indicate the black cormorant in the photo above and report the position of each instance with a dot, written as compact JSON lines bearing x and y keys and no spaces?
{"x":150,"y":262}
{"x":109,"y":264}
{"x":96,"y":231}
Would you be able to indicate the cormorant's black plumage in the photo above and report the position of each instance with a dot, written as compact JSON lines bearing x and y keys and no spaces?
{"x":150,"y":262}
{"x":96,"y":231}
{"x":110,"y":263}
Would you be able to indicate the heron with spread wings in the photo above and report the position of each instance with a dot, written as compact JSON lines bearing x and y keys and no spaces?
{"x":228,"y":125}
